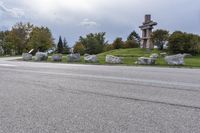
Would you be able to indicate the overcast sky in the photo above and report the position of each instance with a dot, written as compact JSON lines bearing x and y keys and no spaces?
{"x":73,"y":18}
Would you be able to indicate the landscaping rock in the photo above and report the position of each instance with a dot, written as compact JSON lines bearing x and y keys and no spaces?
{"x":1,"y":51}
{"x":146,"y":61}
{"x":86,"y":55}
{"x":74,"y":58}
{"x":154,"y":56}
{"x":163,"y":54}
{"x":91,"y":58}
{"x":26,"y":56}
{"x":41,"y":56}
{"x":187,"y":55}
{"x":175,"y":59}
{"x":56,"y":57}
{"x":113,"y":59}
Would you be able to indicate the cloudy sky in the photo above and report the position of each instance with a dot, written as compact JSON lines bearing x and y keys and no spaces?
{"x":72,"y":18}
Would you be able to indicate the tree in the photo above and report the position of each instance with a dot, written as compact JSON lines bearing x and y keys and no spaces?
{"x":160,"y":37}
{"x":79,"y":48}
{"x":131,"y":44}
{"x":66,"y":48}
{"x":4,"y":47}
{"x":118,"y":43}
{"x":94,"y":43}
{"x":60,"y":48}
{"x":134,"y":36}
{"x":40,"y":39}
{"x":17,"y":38}
{"x":108,"y":47}
{"x":180,"y":42}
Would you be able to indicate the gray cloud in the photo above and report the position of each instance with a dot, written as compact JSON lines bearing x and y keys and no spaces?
{"x":88,"y":23}
{"x":13,"y":12}
{"x":115,"y":17}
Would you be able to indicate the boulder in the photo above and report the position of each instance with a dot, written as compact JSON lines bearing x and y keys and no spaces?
{"x":41,"y":56}
{"x":91,"y":58}
{"x":74,"y":57}
{"x":113,"y":59}
{"x":1,"y":50}
{"x":175,"y":59}
{"x":26,"y":56}
{"x":187,"y":55}
{"x":56,"y":57}
{"x":154,"y":56}
{"x":146,"y":61}
{"x":163,"y":54}
{"x":86,"y":55}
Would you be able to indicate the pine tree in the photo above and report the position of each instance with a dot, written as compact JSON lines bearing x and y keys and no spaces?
{"x":60,"y":45}
{"x":65,"y":47}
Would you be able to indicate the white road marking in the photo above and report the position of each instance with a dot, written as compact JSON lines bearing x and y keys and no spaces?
{"x":8,"y":65}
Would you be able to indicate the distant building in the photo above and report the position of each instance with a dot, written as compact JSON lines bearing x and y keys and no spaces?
{"x":146,"y":32}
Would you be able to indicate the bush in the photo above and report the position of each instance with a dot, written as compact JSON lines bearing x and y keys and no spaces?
{"x":131,"y":44}
{"x":118,"y":43}
{"x":108,"y":47}
{"x":94,"y":43}
{"x":79,"y":48}
{"x":180,"y":42}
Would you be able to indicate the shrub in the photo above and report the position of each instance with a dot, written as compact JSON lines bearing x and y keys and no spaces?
{"x":180,"y":42}
{"x":79,"y":48}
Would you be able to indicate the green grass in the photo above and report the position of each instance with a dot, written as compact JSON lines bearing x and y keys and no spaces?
{"x":131,"y":56}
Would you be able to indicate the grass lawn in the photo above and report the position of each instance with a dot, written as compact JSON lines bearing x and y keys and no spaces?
{"x":131,"y":56}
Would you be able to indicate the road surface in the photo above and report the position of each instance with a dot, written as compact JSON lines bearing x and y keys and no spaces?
{"x":69,"y":98}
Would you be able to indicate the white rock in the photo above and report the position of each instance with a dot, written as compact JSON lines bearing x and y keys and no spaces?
{"x":41,"y":56}
{"x":90,"y":58}
{"x":74,"y":57}
{"x":113,"y":59}
{"x":1,"y":50}
{"x":187,"y":55}
{"x":154,"y":56}
{"x":26,"y":56}
{"x":163,"y":54}
{"x":56,"y":57}
{"x":146,"y":61}
{"x":175,"y":59}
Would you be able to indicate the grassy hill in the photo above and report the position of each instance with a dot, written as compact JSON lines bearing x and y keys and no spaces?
{"x":131,"y":56}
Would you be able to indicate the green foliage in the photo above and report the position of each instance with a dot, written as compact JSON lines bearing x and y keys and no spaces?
{"x":118,"y":43}
{"x":94,"y":43}
{"x":3,"y":45}
{"x":134,"y":36}
{"x":24,"y":37}
{"x":66,"y":49}
{"x":60,"y":48}
{"x":180,"y":42}
{"x":131,"y":44}
{"x":79,"y":48}
{"x":160,"y":37}
{"x":108,"y":47}
{"x":40,"y":39}
{"x":17,"y":39}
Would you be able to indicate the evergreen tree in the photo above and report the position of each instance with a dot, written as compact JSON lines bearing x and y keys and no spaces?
{"x":60,"y":46}
{"x":65,"y":47}
{"x":134,"y":36}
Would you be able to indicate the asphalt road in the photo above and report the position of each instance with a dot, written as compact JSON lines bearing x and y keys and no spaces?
{"x":67,"y":98}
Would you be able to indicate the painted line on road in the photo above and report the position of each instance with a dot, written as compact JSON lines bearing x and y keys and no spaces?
{"x":7,"y":65}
